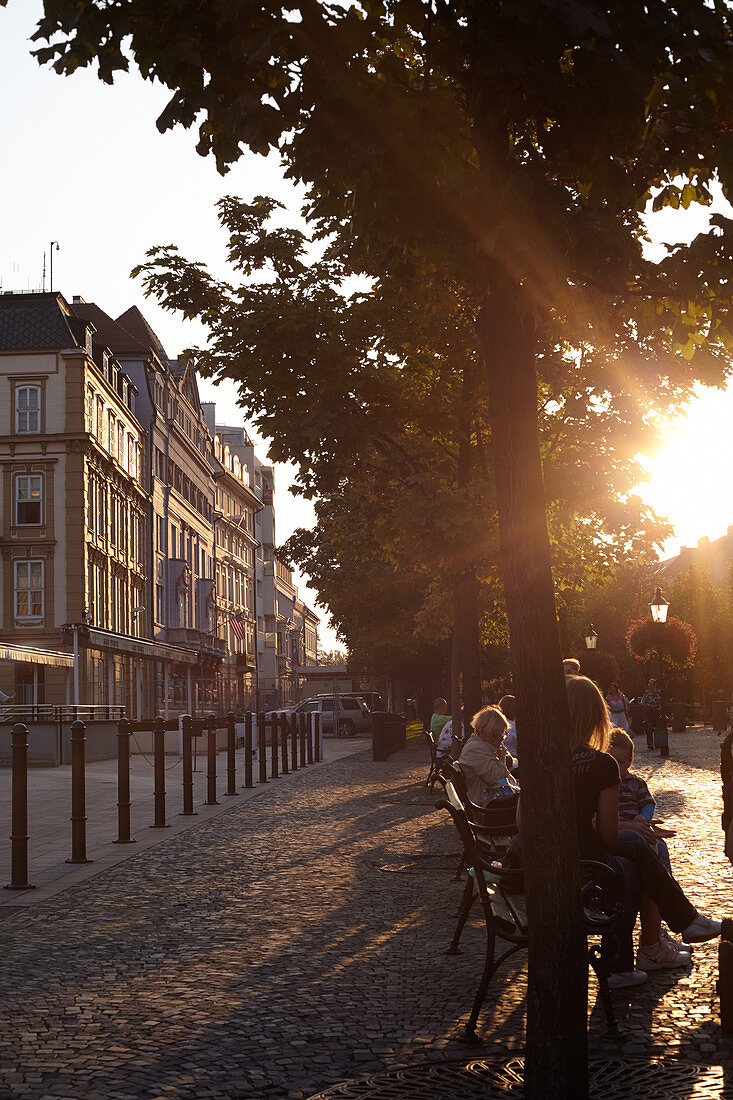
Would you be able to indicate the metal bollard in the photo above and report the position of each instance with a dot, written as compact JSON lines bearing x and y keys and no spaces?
{"x":284,"y":728}
{"x":188,"y":810}
{"x":311,"y":728}
{"x":318,"y":746}
{"x":274,"y":761}
{"x":231,"y":754}
{"x":262,"y":747}
{"x":159,"y":772}
{"x":294,"y":747}
{"x":124,"y":730}
{"x":19,"y":811}
{"x":78,"y":795}
{"x":211,"y":799}
{"x":301,"y":736}
{"x":248,"y":750}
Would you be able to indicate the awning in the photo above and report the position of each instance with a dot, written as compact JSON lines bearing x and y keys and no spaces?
{"x":35,"y":656}
{"x":154,"y":651}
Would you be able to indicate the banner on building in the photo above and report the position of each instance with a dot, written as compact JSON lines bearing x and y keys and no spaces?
{"x":179,"y":586}
{"x":206,"y":595}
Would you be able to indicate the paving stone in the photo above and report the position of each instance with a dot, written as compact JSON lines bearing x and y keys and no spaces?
{"x":297,"y":940}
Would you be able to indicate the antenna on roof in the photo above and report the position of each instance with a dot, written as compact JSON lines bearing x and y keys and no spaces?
{"x":44,"y":270}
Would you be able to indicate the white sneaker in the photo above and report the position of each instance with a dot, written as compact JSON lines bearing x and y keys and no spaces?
{"x":661,"y":956}
{"x":701,"y":929}
{"x":627,"y":978}
{"x":667,"y":937}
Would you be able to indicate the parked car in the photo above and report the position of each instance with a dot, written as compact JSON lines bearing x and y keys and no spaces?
{"x":353,"y":714}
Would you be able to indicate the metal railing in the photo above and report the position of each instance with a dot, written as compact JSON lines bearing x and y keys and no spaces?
{"x":60,"y":712}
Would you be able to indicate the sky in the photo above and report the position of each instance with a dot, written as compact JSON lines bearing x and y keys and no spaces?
{"x":84,"y":165}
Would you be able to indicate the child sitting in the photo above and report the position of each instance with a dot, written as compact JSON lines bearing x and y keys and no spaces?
{"x":636,"y":807}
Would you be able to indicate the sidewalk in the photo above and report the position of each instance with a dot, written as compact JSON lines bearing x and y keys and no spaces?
{"x":49,"y":814}
{"x":297,"y":940}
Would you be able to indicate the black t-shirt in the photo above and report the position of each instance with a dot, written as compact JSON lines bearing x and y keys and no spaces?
{"x":593,"y":772}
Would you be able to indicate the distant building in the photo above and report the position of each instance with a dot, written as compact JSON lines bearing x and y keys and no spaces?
{"x":715,"y":556}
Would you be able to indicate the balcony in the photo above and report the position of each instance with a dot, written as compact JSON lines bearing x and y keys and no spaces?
{"x":246,"y":661}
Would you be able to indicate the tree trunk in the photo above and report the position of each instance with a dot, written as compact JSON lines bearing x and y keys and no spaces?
{"x":557,"y":1052}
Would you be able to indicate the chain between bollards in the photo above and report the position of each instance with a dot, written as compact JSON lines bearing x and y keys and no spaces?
{"x":231,"y":754}
{"x":274,"y":758}
{"x":159,"y":766}
{"x":19,"y":811}
{"x":311,"y":727}
{"x":248,"y":750}
{"x":187,"y":736}
{"x":124,"y":731}
{"x":211,"y":799}
{"x":294,"y":742}
{"x":78,"y":795}
{"x":262,"y":747}
{"x":301,"y":737}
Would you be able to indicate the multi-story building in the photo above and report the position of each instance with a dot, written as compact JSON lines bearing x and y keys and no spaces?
{"x":278,"y":626}
{"x":236,"y":547}
{"x":134,"y":531}
{"x":179,"y":468}
{"x":74,"y":504}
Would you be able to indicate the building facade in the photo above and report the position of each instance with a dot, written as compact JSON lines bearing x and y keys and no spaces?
{"x":134,"y":531}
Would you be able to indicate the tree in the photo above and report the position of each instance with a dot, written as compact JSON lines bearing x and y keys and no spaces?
{"x":512,"y":150}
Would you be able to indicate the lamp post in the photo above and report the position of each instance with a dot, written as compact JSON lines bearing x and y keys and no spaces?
{"x":659,"y":608}
{"x":591,"y":638}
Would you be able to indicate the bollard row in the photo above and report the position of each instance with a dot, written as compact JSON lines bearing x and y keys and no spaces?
{"x":293,"y":743}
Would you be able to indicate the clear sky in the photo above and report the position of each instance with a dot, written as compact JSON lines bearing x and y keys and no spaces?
{"x":84,"y":164}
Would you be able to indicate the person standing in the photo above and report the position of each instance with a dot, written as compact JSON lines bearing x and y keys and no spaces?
{"x":651,"y":700}
{"x":618,"y":705}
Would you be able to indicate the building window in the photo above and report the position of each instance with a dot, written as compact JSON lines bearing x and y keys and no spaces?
{"x":28,"y":410}
{"x":90,"y":409}
{"x":159,"y":603}
{"x":29,"y":590}
{"x":28,"y":499}
{"x":112,"y":434}
{"x":100,"y":420}
{"x":121,"y":444}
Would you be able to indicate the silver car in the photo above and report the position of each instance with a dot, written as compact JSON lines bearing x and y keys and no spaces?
{"x":353,"y":715}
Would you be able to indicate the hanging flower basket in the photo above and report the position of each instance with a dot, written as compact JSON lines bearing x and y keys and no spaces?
{"x":674,"y":640}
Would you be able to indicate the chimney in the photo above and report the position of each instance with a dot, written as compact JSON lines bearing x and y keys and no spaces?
{"x":703,"y":542}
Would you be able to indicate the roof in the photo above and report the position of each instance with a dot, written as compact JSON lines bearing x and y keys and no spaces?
{"x":132,"y":321}
{"x":109,"y":333}
{"x":35,"y":321}
{"x":715,"y":556}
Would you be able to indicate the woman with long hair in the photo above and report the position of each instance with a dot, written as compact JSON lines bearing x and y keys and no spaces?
{"x":656,"y":892}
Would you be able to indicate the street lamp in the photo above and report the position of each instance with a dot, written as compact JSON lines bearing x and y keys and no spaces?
{"x":659,"y":607}
{"x":591,"y":638}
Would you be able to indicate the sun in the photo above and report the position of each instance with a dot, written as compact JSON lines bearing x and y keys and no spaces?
{"x":691,"y":476}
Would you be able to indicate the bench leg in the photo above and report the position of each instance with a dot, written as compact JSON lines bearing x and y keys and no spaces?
{"x":465,"y":908}
{"x":469,"y":1033}
{"x":600,"y":968}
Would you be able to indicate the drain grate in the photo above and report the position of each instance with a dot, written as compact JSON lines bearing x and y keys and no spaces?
{"x":611,"y":1079}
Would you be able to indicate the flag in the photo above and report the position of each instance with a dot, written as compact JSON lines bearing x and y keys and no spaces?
{"x":237,"y":624}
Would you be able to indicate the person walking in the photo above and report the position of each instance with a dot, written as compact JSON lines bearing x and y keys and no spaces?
{"x":618,"y":705}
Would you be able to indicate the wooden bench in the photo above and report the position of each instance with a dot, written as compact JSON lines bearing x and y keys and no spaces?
{"x":500,"y":891}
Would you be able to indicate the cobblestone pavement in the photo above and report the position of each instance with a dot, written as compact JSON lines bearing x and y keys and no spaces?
{"x":298,"y":940}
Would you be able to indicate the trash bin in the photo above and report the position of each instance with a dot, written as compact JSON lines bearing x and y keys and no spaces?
{"x":636,"y":710}
{"x":679,"y":717}
{"x":720,"y":715}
